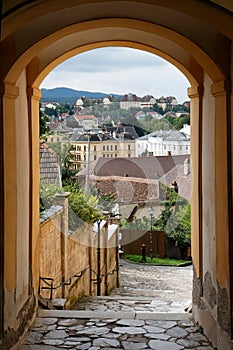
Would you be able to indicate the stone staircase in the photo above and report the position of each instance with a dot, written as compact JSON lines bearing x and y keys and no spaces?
{"x":144,"y":313}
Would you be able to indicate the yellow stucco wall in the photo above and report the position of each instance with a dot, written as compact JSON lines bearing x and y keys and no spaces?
{"x":196,"y":38}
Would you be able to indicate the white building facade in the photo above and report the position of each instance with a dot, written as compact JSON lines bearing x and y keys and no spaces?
{"x":162,"y":143}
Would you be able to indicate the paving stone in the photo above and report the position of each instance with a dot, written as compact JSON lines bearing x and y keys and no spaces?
{"x":94,"y":330}
{"x":73,"y":328}
{"x":79,"y":339}
{"x":68,"y":322}
{"x":53,"y":342}
{"x":33,"y":338}
{"x":103,"y":342}
{"x":177,"y":332}
{"x":193,"y":329}
{"x":185,"y":324}
{"x":129,"y":330}
{"x":162,"y":324}
{"x":135,"y":323}
{"x":137,"y":339}
{"x":196,"y":337}
{"x":72,"y":343}
{"x":133,"y":346}
{"x":188,"y":343}
{"x":110,"y":320}
{"x":111,"y":335}
{"x":101,"y":324}
{"x":84,"y":346}
{"x":154,"y":329}
{"x":164,"y":345}
{"x":124,"y":337}
{"x":160,"y":336}
{"x":56,"y":334}
{"x":40,"y":347}
{"x":41,"y":321}
{"x":107,"y":348}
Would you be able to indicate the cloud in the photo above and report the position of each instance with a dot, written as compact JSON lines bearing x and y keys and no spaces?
{"x":110,"y":59}
{"x":120,"y":70}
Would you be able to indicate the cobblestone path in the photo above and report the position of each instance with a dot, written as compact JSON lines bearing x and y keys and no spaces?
{"x":146,"y":312}
{"x":146,"y":288}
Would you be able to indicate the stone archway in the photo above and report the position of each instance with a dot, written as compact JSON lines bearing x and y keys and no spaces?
{"x":200,"y":47}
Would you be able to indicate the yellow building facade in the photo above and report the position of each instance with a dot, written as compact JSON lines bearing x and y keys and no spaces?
{"x":84,"y":151}
{"x":196,"y":36}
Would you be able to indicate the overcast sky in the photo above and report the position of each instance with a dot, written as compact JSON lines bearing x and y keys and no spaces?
{"x":120,"y":70}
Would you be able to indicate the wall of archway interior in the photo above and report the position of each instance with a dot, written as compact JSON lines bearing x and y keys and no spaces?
{"x":210,"y":206}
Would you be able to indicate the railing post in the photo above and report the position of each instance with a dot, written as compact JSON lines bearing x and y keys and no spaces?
{"x":51,"y":291}
{"x":143,"y":248}
{"x":98,"y":262}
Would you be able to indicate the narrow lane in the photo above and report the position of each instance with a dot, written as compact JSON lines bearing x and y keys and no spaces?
{"x":146,"y":288}
{"x":146,"y":312}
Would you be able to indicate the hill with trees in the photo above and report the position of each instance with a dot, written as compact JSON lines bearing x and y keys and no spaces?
{"x":67,"y":95}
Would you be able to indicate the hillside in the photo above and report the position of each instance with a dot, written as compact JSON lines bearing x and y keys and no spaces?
{"x":67,"y":95}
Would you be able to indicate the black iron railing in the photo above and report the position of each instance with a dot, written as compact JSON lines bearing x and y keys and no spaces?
{"x":49,"y":282}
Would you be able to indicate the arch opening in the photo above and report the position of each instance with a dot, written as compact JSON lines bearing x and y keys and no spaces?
{"x":24,"y":67}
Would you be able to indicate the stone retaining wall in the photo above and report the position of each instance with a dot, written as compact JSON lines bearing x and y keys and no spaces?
{"x":72,"y":257}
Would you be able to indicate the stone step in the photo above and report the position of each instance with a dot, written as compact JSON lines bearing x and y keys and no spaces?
{"x":45,"y":303}
{"x":140,"y":315}
{"x":116,"y":298}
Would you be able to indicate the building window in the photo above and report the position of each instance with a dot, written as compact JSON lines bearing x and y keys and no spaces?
{"x":84,"y":157}
{"x":165,"y":146}
{"x":129,"y":147}
{"x":111,"y":147}
{"x":115,"y":147}
{"x":107,"y":147}
{"x":103,"y":148}
{"x":115,"y":155}
{"x":103,"y":155}
{"x":85,"y":148}
{"x":95,"y":156}
{"x":94,"y":148}
{"x":107,"y":155}
{"x":187,"y":147}
{"x":180,"y":147}
{"x":129,"y":155}
{"x":111,"y":155}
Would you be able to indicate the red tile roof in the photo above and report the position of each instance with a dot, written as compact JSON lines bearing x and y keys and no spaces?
{"x":85,"y":117}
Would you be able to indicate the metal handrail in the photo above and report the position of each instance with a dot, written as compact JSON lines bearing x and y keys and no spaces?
{"x":65,"y":283}
{"x":51,"y":287}
{"x":111,"y":272}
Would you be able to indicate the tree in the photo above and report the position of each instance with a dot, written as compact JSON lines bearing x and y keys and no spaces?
{"x":82,"y":206}
{"x":158,"y":109}
{"x":43,"y":119}
{"x":175,"y":218}
{"x":64,"y":152}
